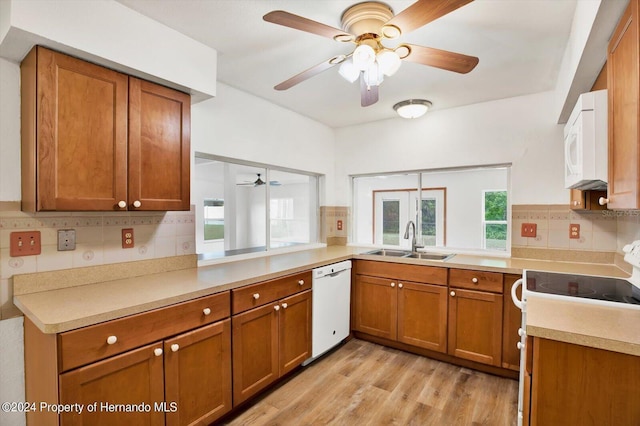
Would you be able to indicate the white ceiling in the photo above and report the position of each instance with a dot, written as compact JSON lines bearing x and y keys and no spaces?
{"x":520,"y":44}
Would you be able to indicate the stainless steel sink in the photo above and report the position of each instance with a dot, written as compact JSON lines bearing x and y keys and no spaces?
{"x":411,"y":255}
{"x":391,"y":253}
{"x":431,"y":256}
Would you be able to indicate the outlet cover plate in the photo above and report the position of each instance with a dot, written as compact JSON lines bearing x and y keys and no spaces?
{"x":66,"y":239}
{"x":574,"y":231}
{"x":24,"y":243}
{"x":529,"y":230}
{"x":127,"y":238}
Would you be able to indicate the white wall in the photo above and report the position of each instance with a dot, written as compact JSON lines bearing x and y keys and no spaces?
{"x":111,"y":34}
{"x":238,"y":125}
{"x":9,"y":131}
{"x":520,"y":131}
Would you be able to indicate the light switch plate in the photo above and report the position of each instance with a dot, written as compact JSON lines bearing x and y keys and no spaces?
{"x":529,"y":230}
{"x":66,"y":239}
{"x":25,"y":243}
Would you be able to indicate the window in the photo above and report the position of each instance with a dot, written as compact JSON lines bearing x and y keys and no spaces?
{"x":246,"y":207}
{"x":213,"y":219}
{"x":445,"y":210}
{"x":494,"y":220}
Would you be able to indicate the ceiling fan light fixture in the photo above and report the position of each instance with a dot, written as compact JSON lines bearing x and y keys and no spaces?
{"x":388,"y":61}
{"x":348,"y":71}
{"x":412,"y":108}
{"x":363,"y":57}
{"x":373,"y":75}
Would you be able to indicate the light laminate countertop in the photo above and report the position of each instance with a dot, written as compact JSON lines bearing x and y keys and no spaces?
{"x":63,"y":309}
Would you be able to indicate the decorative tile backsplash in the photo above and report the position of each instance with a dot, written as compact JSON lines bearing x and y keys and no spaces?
{"x":329,"y":217}
{"x":98,"y":241}
{"x":600,"y":231}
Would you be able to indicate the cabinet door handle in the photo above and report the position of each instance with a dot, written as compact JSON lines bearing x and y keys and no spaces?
{"x":521,"y":332}
{"x":602,"y":201}
{"x":122,"y":204}
{"x":111,"y":340}
{"x":256,"y":296}
{"x":137,"y":204}
{"x":301,"y":282}
{"x":474,"y":280}
{"x":453,"y":293}
{"x":520,"y":345}
{"x":284,"y":306}
{"x":175,"y":347}
{"x":277,"y":307}
{"x":157,"y":351}
{"x":206,"y":311}
{"x":393,"y":284}
{"x":399,"y":285}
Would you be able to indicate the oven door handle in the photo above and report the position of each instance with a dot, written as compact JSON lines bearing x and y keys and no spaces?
{"x":514,"y":297}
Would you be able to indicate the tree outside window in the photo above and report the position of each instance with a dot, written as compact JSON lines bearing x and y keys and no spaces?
{"x":495,"y":220}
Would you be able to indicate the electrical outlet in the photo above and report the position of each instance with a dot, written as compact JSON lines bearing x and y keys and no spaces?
{"x":339,"y":225}
{"x":574,"y":231}
{"x":25,"y":243}
{"x":529,"y":230}
{"x":127,"y":238}
{"x":66,"y":239}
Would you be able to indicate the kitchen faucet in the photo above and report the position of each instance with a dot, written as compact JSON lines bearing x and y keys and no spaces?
{"x":414,"y":246}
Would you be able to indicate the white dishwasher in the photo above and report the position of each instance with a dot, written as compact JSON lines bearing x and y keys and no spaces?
{"x":331,"y":306}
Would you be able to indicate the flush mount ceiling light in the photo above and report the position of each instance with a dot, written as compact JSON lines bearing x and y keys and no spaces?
{"x":412,"y":108}
{"x":368,"y":24}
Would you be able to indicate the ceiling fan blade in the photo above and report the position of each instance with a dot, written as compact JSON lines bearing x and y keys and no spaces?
{"x":296,"y":22}
{"x":304,"y":75}
{"x":368,"y":94}
{"x":422,"y":12}
{"x":443,"y":59}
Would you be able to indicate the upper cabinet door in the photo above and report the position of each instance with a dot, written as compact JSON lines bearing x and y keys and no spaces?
{"x":77,"y":118}
{"x":159,"y":147}
{"x":624,"y":95}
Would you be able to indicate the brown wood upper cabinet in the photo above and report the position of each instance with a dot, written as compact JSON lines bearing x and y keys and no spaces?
{"x":623,"y":76}
{"x":97,"y":139}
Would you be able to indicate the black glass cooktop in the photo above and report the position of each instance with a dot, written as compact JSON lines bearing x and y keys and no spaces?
{"x":585,"y":286}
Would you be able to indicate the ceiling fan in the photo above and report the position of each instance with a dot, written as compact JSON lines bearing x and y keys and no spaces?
{"x":367,"y":25}
{"x":259,"y":182}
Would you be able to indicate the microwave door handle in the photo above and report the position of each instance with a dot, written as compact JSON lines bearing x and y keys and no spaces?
{"x":514,"y":297}
{"x":567,"y":152}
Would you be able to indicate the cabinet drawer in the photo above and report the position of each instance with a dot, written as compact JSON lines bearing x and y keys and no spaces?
{"x":89,"y":344}
{"x":254,"y":295}
{"x":476,"y":280}
{"x":403,"y":271}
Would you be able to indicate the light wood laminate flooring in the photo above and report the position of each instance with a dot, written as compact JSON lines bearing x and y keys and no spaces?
{"x":363,"y":383}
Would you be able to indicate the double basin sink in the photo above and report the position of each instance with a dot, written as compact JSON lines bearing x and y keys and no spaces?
{"x":411,"y":254}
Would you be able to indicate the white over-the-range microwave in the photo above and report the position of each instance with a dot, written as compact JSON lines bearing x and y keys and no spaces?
{"x":585,"y":143}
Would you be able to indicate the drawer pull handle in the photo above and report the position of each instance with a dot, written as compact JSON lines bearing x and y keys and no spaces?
{"x":393,"y":284}
{"x":277,"y":307}
{"x":122,"y":204}
{"x":474,"y":280}
{"x":602,"y":201}
{"x":137,"y":204}
{"x":206,"y":311}
{"x":175,"y":347}
{"x":111,"y":340}
{"x":157,"y":351}
{"x":300,"y":282}
{"x":453,"y":293}
{"x":284,"y":305}
{"x":521,"y":332}
{"x":520,"y":345}
{"x":256,"y":296}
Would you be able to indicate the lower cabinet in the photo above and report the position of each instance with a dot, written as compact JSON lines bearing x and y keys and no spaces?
{"x":167,"y":366}
{"x":579,"y":385}
{"x":475,"y":316}
{"x":395,"y":308}
{"x":268,"y":342}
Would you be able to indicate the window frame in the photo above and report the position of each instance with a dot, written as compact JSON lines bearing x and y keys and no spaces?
{"x":314,"y":218}
{"x":494,"y":222}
